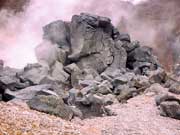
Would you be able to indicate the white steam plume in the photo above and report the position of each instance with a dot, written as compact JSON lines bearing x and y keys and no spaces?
{"x":19,"y":34}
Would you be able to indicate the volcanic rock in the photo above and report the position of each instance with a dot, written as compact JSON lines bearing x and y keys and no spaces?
{"x":170,"y":109}
{"x":30,"y":92}
{"x":51,"y":104}
{"x":84,"y":65}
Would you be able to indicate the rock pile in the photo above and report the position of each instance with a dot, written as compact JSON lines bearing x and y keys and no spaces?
{"x":84,"y":65}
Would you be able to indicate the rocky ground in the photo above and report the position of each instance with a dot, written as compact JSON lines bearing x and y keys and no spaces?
{"x":95,"y":76}
{"x":18,"y":119}
{"x":139,"y":116}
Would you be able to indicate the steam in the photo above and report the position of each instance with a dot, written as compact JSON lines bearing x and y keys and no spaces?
{"x":21,"y":33}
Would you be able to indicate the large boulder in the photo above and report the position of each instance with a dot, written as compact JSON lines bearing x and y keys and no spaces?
{"x":34,"y":73}
{"x":52,"y":105}
{"x":169,"y":105}
{"x":120,"y":56}
{"x":170,"y":109}
{"x":58,"y":72}
{"x":91,"y":41}
{"x":142,"y":60}
{"x":9,"y":79}
{"x":29,"y":92}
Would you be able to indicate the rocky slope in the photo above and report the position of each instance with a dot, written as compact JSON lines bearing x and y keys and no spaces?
{"x":139,"y":116}
{"x":85,"y":66}
{"x":83,"y":63}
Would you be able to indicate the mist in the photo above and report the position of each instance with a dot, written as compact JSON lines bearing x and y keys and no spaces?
{"x":145,"y":20}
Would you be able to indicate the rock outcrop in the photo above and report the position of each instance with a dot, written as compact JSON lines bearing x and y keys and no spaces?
{"x":84,"y":65}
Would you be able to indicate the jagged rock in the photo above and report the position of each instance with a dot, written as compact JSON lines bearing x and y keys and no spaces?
{"x":29,"y":92}
{"x":58,"y":72}
{"x":112,"y":73}
{"x":91,"y":42}
{"x":124,"y":37}
{"x":105,"y":88}
{"x":106,"y":77}
{"x":110,"y":99}
{"x":76,"y":76}
{"x":120,"y":56}
{"x":175,"y":88}
{"x":89,"y":89}
{"x":158,"y":76}
{"x":120,"y":80}
{"x":170,"y":109}
{"x":141,"y":81}
{"x":129,"y":47}
{"x":85,"y":34}
{"x":157,"y":89}
{"x":61,"y":56}
{"x":166,"y":97}
{"x":120,"y":88}
{"x":51,"y":104}
{"x":77,"y":112}
{"x":71,"y":68}
{"x":86,"y":83}
{"x":12,"y":83}
{"x":9,"y":79}
{"x":34,"y":73}
{"x":177,"y":69}
{"x":74,"y":94}
{"x":142,"y":59}
{"x":58,"y":33}
{"x":127,"y":94}
{"x":87,"y":64}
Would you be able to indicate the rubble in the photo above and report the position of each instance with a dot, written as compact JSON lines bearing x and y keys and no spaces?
{"x":89,"y":65}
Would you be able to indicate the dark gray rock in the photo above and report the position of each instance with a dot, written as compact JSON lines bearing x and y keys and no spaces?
{"x":34,"y":73}
{"x":120,"y":80}
{"x":74,"y":96}
{"x":170,"y":109}
{"x":71,"y":68}
{"x":141,"y":81}
{"x":9,"y":79}
{"x":129,"y":47}
{"x":77,"y":112}
{"x":142,"y":59}
{"x":127,"y":94}
{"x":86,"y":83}
{"x":91,"y":41}
{"x":110,"y":99}
{"x":124,"y":37}
{"x":89,"y":89}
{"x":166,"y":97}
{"x":112,"y":73}
{"x":120,"y":88}
{"x":105,"y":88}
{"x":157,"y":76}
{"x":29,"y":92}
{"x":120,"y":56}
{"x":175,"y":88}
{"x":52,"y":105}
{"x":58,"y":73}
